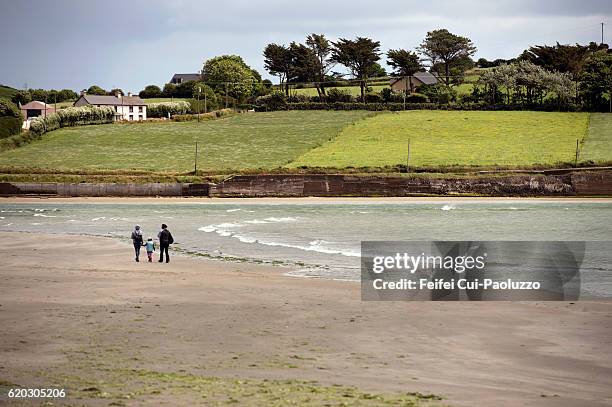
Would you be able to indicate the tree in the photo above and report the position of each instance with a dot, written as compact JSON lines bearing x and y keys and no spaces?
{"x":277,"y":61}
{"x":359,"y":56}
{"x":96,"y":90}
{"x":114,"y":91}
{"x":596,"y":80}
{"x":66,"y":94}
{"x":405,"y":64}
{"x":322,"y":50}
{"x":150,"y":91}
{"x":207,"y":97}
{"x":559,"y":57}
{"x":447,"y":49}
{"x":229,"y":73}
{"x":22,"y":97}
{"x":169,"y":90}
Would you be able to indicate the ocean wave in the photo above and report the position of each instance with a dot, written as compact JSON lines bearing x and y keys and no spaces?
{"x":256,"y":222}
{"x":233,"y":210}
{"x":42,"y":215}
{"x":285,"y":219}
{"x":448,"y":207}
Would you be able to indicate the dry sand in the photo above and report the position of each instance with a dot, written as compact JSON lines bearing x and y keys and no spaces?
{"x":74,"y":308}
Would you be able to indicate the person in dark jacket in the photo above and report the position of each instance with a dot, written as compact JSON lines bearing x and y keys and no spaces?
{"x":137,"y":240}
{"x":165,"y":240}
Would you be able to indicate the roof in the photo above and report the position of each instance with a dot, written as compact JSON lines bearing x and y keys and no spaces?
{"x":35,"y":104}
{"x":113,"y":100}
{"x":426,"y":77}
{"x":184,"y":77}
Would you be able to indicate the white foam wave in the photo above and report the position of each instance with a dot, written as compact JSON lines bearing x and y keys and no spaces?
{"x":448,"y":207}
{"x":284,"y":219}
{"x":233,"y":210}
{"x":256,"y":221}
{"x":42,"y":215}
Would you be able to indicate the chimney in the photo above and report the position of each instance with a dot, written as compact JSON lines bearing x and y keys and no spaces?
{"x":118,"y":94}
{"x":83,"y":92}
{"x":129,"y":94}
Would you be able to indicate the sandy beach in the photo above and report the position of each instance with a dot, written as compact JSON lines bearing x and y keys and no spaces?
{"x":78,"y":312}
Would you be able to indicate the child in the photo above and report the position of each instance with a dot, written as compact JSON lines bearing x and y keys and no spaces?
{"x":150,"y":248}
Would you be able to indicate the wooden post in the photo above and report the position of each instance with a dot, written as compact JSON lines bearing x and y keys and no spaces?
{"x":195,"y":164}
{"x":577,"y":153}
{"x":408,"y":158}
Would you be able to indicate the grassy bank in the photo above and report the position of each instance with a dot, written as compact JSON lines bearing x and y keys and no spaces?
{"x":254,"y":140}
{"x":444,"y":138}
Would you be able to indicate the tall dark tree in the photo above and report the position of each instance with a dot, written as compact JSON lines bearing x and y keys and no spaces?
{"x":596,"y":80}
{"x":359,"y":56}
{"x":277,"y":61}
{"x":405,"y":64}
{"x":446,"y":50}
{"x":96,"y":90}
{"x":560,"y":57}
{"x":322,"y":49}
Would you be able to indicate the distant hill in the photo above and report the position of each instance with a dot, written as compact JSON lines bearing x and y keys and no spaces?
{"x":7,"y":92}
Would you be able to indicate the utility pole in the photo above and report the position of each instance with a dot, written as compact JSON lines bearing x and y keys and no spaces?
{"x":602,"y":32}
{"x":577,"y":152}
{"x":226,"y":95}
{"x":205,"y":108}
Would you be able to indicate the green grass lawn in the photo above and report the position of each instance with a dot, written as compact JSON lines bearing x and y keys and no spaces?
{"x":443,"y":138}
{"x":251,"y":140}
{"x":598,"y":144}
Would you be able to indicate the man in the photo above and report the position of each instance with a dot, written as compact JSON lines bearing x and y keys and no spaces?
{"x":165,"y":240}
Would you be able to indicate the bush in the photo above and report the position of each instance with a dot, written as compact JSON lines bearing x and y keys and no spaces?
{"x":276,"y":100}
{"x":164,"y":109}
{"x":338,"y":95}
{"x":373,"y":98}
{"x":204,"y":116}
{"x":10,"y":118}
{"x":9,"y":126}
{"x":439,"y":93}
{"x":71,"y":116}
{"x":150,"y":91}
{"x":417,"y":98}
{"x":298,"y":98}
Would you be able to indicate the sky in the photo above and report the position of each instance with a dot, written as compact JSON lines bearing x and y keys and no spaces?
{"x":129,"y":44}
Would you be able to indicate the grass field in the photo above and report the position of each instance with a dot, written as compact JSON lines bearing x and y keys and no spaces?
{"x":443,"y":138}
{"x":252,"y":140}
{"x":598,"y":144}
{"x":7,"y":92}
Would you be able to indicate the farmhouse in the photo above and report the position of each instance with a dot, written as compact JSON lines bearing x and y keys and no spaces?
{"x":35,"y":109}
{"x":126,"y":107}
{"x":179,"y":78}
{"x":411,"y":84}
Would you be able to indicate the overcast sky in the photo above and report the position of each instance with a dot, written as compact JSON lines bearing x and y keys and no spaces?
{"x":131,"y":43}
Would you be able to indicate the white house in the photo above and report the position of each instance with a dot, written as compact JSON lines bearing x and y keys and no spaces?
{"x":130,"y":108}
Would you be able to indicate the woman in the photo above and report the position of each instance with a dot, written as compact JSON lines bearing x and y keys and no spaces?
{"x":137,"y":240}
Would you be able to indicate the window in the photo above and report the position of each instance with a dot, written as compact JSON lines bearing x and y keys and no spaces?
{"x":139,"y":109}
{"x":116,"y":109}
{"x":131,"y":117}
{"x":140,"y":117}
{"x":131,"y":109}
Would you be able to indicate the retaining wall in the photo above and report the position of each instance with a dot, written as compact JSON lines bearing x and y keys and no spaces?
{"x":572,"y":184}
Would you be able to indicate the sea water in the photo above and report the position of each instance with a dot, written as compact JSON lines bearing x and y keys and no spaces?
{"x":321,"y":239}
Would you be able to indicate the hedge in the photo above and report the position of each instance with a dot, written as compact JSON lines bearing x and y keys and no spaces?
{"x":164,"y":109}
{"x":412,"y":106}
{"x":10,"y":118}
{"x":71,"y":116}
{"x":9,"y":126}
{"x":204,"y":116}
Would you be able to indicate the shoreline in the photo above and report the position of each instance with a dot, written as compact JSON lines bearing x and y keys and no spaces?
{"x":301,"y":200}
{"x":79,"y":312}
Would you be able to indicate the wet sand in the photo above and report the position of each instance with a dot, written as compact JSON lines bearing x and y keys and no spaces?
{"x":74,"y":309}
